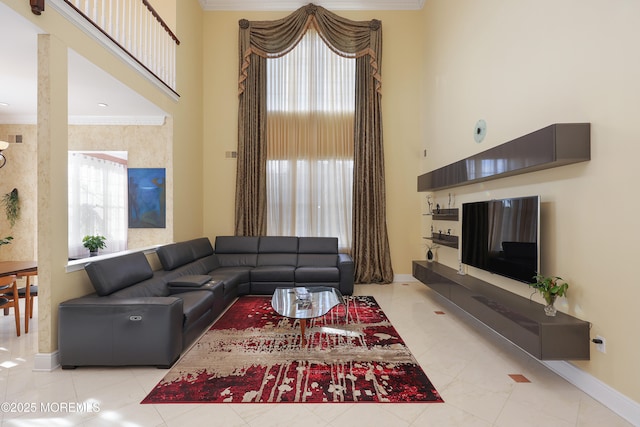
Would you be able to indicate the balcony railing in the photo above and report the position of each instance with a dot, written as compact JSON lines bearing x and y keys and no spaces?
{"x":136,"y":28}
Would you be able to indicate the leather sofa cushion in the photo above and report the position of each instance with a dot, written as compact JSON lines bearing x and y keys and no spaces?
{"x":318,"y":252}
{"x":277,"y":259}
{"x":278,"y":250}
{"x":195,"y":304}
{"x":317,"y":274}
{"x":208,"y":263}
{"x":237,"y":260}
{"x":273,"y":273}
{"x":201,"y":247}
{"x":231,"y":276}
{"x":278,"y":244}
{"x":112,"y":274}
{"x":154,"y":287}
{"x":318,"y":245}
{"x":236,"y":244}
{"x":237,"y":251}
{"x":190,"y":280}
{"x":317,"y":260}
{"x":174,"y":255}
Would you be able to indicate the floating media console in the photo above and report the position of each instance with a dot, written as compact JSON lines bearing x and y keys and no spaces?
{"x":516,"y":318}
{"x":556,"y":145}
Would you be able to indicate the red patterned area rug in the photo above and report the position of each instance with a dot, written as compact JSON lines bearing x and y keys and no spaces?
{"x":251,"y":354}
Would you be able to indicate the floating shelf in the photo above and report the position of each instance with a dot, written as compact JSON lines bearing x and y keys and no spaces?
{"x":446,"y":214}
{"x":444,"y":240}
{"x":556,"y":145}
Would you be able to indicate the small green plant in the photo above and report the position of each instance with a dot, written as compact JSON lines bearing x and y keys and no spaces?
{"x":93,"y":243}
{"x":7,"y":240}
{"x":11,"y":202}
{"x":550,"y":287}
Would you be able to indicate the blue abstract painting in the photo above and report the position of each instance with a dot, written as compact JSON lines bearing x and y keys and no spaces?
{"x":147,"y":198}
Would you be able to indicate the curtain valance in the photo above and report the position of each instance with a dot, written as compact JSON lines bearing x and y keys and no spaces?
{"x":272,"y":39}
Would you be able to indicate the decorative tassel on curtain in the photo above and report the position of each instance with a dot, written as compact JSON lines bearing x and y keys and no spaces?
{"x":362,"y":40}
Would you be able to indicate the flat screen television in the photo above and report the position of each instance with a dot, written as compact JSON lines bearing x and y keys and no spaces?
{"x":503,"y":236}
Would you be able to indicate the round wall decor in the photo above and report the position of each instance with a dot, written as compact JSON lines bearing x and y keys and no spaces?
{"x":480,"y":131}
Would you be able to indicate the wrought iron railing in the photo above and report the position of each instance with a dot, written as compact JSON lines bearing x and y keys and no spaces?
{"x":136,"y":28}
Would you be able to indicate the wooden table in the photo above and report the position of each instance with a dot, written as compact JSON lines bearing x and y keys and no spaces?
{"x":7,"y":268}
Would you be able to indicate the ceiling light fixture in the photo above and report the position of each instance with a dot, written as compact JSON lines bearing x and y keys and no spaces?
{"x":4,"y":104}
{"x":102,"y":104}
{"x":3,"y":146}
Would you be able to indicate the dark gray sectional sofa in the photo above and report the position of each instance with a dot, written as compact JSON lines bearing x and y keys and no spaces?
{"x":139,"y":316}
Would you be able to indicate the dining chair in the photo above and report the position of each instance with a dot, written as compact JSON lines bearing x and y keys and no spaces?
{"x":9,"y":297}
{"x":22,"y":293}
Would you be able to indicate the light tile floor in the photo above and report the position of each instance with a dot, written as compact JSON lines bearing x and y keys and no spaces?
{"x":468,"y":364}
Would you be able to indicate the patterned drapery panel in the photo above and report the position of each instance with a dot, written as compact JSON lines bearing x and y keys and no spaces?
{"x":362,"y":40}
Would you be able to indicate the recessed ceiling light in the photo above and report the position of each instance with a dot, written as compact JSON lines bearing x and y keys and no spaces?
{"x":102,"y":104}
{"x":4,"y":104}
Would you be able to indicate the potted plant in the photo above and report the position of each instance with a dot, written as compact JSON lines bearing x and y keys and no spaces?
{"x":550,"y":287}
{"x":93,"y":243}
{"x":11,"y":203}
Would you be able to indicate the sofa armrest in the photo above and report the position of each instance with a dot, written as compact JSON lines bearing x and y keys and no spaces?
{"x":345,"y":266}
{"x":189,"y":281}
{"x":120,"y":331}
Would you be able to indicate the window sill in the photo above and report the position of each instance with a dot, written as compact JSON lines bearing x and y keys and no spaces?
{"x":78,"y":264}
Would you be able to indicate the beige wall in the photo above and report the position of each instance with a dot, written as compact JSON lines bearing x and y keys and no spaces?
{"x":20,"y":172}
{"x":401,"y":76}
{"x":167,"y":10}
{"x":190,"y":166}
{"x":146,"y":147}
{"x":522,"y":66}
{"x":56,"y":285}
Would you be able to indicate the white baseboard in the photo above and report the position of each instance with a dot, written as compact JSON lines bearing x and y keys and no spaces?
{"x":46,"y":362}
{"x":609,"y":397}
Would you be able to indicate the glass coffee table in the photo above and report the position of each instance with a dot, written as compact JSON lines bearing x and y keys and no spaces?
{"x":305,"y":303}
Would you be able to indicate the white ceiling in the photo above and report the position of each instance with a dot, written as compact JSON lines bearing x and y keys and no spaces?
{"x":88,"y":84}
{"x":328,"y":4}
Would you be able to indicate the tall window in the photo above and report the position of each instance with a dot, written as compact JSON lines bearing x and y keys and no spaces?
{"x":97,"y":200}
{"x":310,"y":141}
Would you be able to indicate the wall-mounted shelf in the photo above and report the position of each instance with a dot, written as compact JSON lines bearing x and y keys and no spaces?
{"x":556,"y":145}
{"x":444,"y":240}
{"x":517,"y":318}
{"x":446,"y":214}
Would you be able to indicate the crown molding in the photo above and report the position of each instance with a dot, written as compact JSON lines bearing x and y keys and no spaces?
{"x":117,"y":120}
{"x":90,"y":120}
{"x":17,"y":119}
{"x":277,"y":5}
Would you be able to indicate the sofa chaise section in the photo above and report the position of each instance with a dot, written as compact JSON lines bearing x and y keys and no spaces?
{"x":103,"y":331}
{"x":132,"y":319}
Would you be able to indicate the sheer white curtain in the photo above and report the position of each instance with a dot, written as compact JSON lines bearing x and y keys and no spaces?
{"x":310,"y":140}
{"x":97,"y":200}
